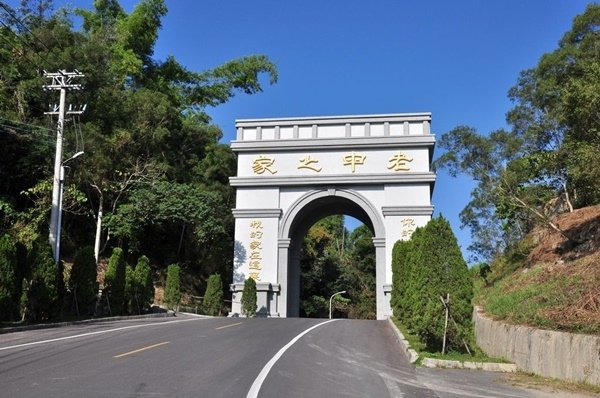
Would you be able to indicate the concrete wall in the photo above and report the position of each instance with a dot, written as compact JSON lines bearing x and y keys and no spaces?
{"x":569,"y":356}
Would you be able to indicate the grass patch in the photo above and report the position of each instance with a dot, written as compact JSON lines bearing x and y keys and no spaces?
{"x":531,"y":380}
{"x":419,"y":347}
{"x":478,"y":356}
{"x":559,"y":297}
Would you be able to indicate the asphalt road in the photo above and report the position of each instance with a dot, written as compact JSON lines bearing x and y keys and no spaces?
{"x":189,"y":356}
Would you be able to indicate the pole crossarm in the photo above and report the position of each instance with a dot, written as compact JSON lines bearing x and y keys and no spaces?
{"x":63,"y":79}
{"x":73,"y":110}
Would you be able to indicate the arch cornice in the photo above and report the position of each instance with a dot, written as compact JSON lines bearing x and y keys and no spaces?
{"x":351,"y":195}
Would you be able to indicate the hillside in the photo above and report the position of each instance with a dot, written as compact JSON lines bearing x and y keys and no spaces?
{"x":548,"y":280}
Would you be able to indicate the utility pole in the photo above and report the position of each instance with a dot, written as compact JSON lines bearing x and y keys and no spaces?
{"x":62,"y":81}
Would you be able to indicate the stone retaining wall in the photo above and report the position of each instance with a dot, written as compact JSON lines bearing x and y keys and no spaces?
{"x":568,"y":356}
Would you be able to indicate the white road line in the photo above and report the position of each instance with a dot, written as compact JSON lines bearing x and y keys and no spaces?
{"x":94,"y":333}
{"x":253,"y":392}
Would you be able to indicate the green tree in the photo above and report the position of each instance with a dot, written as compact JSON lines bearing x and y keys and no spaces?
{"x":508,"y":199}
{"x":146,"y":123}
{"x":401,"y":274}
{"x":173,"y":287}
{"x":130,"y":291}
{"x":9,"y":283}
{"x":540,"y":167}
{"x":144,"y":287}
{"x":426,"y":268}
{"x":556,"y":108}
{"x":444,"y":271}
{"x":43,"y":295}
{"x":114,"y":281}
{"x":83,"y":279}
{"x":320,"y":265}
{"x":357,"y":274}
{"x":213,"y":297}
{"x":249,"y":305}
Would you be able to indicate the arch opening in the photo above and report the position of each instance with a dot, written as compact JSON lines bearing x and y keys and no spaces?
{"x":315,"y":206}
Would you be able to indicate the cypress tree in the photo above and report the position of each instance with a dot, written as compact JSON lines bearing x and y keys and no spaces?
{"x":442,"y":270}
{"x":43,"y":294}
{"x":9,"y":283}
{"x":144,"y":287}
{"x":400,"y":275}
{"x":416,"y":280}
{"x":213,"y":297}
{"x":130,"y":291}
{"x":249,"y":305}
{"x":83,"y":279}
{"x":115,"y":281}
{"x":172,"y":287}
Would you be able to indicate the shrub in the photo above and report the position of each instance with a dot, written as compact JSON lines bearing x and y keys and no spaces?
{"x":172,"y":287}
{"x":9,"y":283}
{"x":144,"y":287}
{"x":400,"y":275}
{"x":115,"y":281}
{"x":213,"y":296}
{"x":83,"y":279}
{"x":130,"y":288}
{"x":42,"y":301}
{"x":249,"y":306}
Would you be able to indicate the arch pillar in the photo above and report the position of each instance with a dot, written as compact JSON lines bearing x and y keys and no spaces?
{"x":283,"y":247}
{"x":384,"y":309}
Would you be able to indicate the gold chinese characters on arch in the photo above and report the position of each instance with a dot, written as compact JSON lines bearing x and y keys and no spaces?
{"x":353,"y":159}
{"x":255,"y":257}
{"x":408,"y":227}
{"x":265,"y":164}
{"x":310,"y":163}
{"x":398,"y":162}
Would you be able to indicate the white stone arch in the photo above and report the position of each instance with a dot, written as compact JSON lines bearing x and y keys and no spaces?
{"x":292,"y":172}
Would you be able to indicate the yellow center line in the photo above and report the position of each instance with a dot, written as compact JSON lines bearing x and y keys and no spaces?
{"x":228,"y":326}
{"x":141,"y":349}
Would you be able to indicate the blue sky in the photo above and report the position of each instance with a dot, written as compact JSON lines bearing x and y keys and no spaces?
{"x":455,"y":59}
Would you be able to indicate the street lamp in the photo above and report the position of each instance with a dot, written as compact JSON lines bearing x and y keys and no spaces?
{"x":331,"y":298}
{"x":61,"y":181}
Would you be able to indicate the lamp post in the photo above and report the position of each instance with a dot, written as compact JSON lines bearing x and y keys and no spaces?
{"x":331,"y":298}
{"x":60,"y":202}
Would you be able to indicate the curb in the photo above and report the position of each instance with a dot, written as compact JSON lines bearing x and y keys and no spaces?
{"x":196,"y":315}
{"x":448,"y":364}
{"x":86,"y":321}
{"x":487,"y":366}
{"x":411,"y":354}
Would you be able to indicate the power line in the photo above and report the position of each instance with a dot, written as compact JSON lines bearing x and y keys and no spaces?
{"x":30,"y":126}
{"x":24,"y":130}
{"x":12,"y":14}
{"x":14,"y":48}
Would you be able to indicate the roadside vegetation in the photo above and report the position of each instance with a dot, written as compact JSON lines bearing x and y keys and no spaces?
{"x":533,"y":285}
{"x":153,"y":179}
{"x":334,"y":259}
{"x":530,"y":380}
{"x":423,"y":351}
{"x":432,"y":289}
{"x":534,"y":214}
